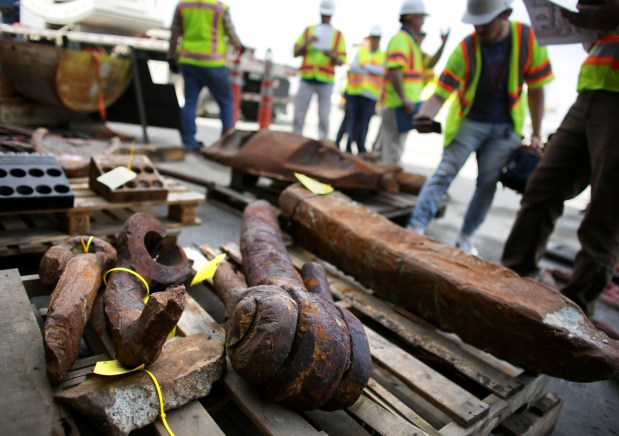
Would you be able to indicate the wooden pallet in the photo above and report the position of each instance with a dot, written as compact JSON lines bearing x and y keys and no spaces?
{"x":397,"y":207}
{"x":35,"y":231}
{"x":423,"y":381}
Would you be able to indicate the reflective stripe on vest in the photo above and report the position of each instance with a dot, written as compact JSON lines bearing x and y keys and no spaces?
{"x":412,"y":73}
{"x":600,"y":71}
{"x":369,"y":84}
{"x":317,"y":65}
{"x":202,"y":45}
{"x":520,"y":70}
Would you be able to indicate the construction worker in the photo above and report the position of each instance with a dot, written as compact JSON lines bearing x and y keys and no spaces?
{"x":365,"y":85}
{"x":323,"y":48}
{"x":404,"y":80}
{"x":487,"y":70}
{"x":584,"y":152}
{"x":205,"y":29}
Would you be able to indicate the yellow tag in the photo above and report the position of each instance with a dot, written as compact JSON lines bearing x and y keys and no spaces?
{"x":208,"y":271}
{"x":314,"y":186}
{"x":117,"y":177}
{"x":86,"y":245}
{"x":113,"y":367}
{"x":172,"y":333}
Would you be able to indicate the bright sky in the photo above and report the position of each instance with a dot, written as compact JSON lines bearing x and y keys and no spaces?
{"x":276,"y":24}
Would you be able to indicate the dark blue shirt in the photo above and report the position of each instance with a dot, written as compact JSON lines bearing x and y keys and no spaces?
{"x":491,"y":103}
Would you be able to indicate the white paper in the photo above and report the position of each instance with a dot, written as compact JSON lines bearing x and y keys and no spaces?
{"x":117,"y":177}
{"x":549,"y":25}
{"x":324,"y":33}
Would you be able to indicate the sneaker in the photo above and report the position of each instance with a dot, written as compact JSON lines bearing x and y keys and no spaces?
{"x":416,"y":228}
{"x":465,"y":243}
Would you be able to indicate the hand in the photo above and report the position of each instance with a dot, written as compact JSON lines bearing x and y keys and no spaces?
{"x":536,"y":144}
{"x":240,"y":49}
{"x":445,"y":35}
{"x":409,"y":106}
{"x":173,"y":64}
{"x":423,"y":124}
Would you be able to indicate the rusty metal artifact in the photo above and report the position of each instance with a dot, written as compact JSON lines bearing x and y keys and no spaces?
{"x":77,"y":80}
{"x":140,"y":329}
{"x":77,"y":276}
{"x":487,"y":305}
{"x":299,"y":347}
{"x":280,"y":154}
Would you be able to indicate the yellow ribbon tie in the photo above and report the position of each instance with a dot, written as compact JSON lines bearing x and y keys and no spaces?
{"x":130,"y":272}
{"x":86,"y":246}
{"x":162,"y":414}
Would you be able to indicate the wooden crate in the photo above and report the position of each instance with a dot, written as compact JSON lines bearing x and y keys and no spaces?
{"x":35,"y":231}
{"x":423,"y":381}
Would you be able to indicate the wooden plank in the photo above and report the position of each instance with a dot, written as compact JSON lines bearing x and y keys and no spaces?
{"x":26,"y":402}
{"x":401,"y":408}
{"x":534,"y":388}
{"x":190,"y":420}
{"x":381,"y":420}
{"x":434,"y":387}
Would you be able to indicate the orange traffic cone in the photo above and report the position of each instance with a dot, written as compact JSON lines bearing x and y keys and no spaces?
{"x":265,"y":110}
{"x":237,"y":81}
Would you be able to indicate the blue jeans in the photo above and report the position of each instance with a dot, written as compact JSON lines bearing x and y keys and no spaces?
{"x":217,"y":80}
{"x":493,"y":145}
{"x":361,"y":111}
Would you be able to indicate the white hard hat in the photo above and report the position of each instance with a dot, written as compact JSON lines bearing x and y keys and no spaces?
{"x":413,"y":7}
{"x":327,"y":7}
{"x":480,"y":12}
{"x":376,"y":31}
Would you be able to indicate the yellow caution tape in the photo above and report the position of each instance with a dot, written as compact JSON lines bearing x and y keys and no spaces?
{"x":86,"y":246}
{"x":130,"y":272}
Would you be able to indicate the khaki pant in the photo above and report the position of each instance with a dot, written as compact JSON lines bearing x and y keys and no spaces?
{"x":585,"y":150}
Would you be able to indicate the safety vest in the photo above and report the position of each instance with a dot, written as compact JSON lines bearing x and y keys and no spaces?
{"x":600,"y":71}
{"x":203,"y":45}
{"x":317,"y":65}
{"x":403,"y":52}
{"x":370,"y":83}
{"x":528,"y":63}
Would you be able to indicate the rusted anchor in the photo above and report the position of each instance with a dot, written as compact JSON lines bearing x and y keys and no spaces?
{"x":297,"y":345}
{"x":139,"y":328}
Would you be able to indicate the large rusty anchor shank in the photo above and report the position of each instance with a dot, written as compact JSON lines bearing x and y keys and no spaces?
{"x":295,"y":344}
{"x":140,"y":329}
{"x":78,"y":277}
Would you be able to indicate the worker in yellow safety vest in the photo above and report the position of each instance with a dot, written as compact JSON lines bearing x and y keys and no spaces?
{"x":322,"y":48}
{"x":488,"y":70}
{"x":365,"y":85}
{"x":205,"y":29}
{"x":584,"y":152}
{"x":404,"y":81}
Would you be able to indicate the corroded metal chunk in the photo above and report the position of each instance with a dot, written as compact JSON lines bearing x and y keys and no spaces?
{"x":299,"y":347}
{"x":77,"y":276}
{"x":280,"y":154}
{"x":487,"y":305}
{"x":139,"y":329}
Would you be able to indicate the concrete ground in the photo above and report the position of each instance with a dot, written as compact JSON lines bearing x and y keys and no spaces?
{"x":589,"y":408}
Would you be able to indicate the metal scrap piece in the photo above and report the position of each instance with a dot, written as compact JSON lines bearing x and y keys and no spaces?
{"x":140,"y":329}
{"x":487,"y":305}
